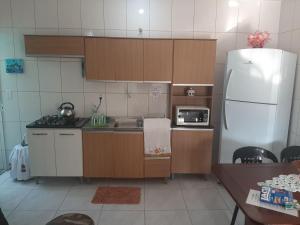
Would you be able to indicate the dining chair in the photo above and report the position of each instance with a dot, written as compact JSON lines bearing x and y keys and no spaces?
{"x":290,"y":154}
{"x":247,"y":155}
{"x":3,"y":221}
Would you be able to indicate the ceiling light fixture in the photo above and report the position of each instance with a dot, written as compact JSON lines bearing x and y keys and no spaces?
{"x":141,"y":11}
{"x":233,"y":3}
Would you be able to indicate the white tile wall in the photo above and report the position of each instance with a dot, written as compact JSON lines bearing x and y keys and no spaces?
{"x":49,"y":81}
{"x":28,"y":81}
{"x":183,"y":15}
{"x":71,"y":77}
{"x":5,"y":13}
{"x":116,"y":104}
{"x":6,"y":43}
{"x":161,"y":15}
{"x":69,"y":14}
{"x":137,"y":14}
{"x":23,"y":13}
{"x":205,"y":15}
{"x":50,"y":101}
{"x":227,"y":16}
{"x":249,"y":12}
{"x":270,"y":16}
{"x":46,"y":14}
{"x":115,"y":14}
{"x":49,"y":76}
{"x":92,"y":14}
{"x":138,"y":104}
{"x":289,"y":39}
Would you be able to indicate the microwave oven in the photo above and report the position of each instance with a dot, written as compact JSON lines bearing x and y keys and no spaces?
{"x":192,"y":116}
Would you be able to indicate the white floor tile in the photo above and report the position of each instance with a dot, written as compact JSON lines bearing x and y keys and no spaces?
{"x":226,"y":197}
{"x":122,"y":218}
{"x":30,"y":217}
{"x":11,"y":197}
{"x":207,"y":199}
{"x":196,"y":181}
{"x":161,"y":184}
{"x":179,"y":217}
{"x":165,"y":203}
{"x":158,"y":199}
{"x":201,"y":217}
{"x":6,"y":213}
{"x":50,"y":199}
{"x":4,"y":177}
{"x":240,"y":219}
{"x":11,"y":183}
{"x":79,"y":198}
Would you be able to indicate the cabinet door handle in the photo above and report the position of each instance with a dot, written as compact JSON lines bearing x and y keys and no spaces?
{"x":66,"y":134}
{"x":39,"y":134}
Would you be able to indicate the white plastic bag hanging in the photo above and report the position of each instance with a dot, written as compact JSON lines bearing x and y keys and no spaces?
{"x":19,"y":163}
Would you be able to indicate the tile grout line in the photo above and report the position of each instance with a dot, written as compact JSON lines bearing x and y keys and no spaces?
{"x":58,"y":209}
{"x":25,"y":196}
{"x":185,"y":203}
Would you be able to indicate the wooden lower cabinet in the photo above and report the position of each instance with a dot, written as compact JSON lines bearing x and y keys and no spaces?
{"x":128,"y":148}
{"x":97,"y":154}
{"x":192,"y":151}
{"x":113,"y":154}
{"x":157,"y":167}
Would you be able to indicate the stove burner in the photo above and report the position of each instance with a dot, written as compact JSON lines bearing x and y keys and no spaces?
{"x":56,"y":121}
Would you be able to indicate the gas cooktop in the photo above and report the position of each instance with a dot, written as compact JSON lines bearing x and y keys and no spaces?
{"x":54,"y":121}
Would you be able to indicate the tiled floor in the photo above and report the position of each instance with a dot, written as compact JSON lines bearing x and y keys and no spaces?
{"x":186,"y":200}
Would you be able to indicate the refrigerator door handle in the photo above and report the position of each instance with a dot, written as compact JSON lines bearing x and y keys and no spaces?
{"x":228,"y":80}
{"x":225,"y":116}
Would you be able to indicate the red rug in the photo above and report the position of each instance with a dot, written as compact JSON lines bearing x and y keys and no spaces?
{"x":117,"y":195}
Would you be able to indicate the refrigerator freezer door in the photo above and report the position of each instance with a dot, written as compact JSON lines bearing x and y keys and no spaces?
{"x":246,"y":124}
{"x":255,"y":75}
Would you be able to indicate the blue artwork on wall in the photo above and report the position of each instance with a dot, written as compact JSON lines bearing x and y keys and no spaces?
{"x":14,"y":65}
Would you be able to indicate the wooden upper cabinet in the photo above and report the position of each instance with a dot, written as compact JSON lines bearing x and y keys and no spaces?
{"x":96,"y":65}
{"x":194,"y":61}
{"x":125,"y":58}
{"x":158,"y":60}
{"x":114,"y":59}
{"x":54,"y":45}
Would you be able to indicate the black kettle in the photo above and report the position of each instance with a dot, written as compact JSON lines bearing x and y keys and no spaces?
{"x":66,"y":110}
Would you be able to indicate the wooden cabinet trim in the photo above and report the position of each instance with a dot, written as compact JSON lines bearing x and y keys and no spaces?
{"x":54,"y":45}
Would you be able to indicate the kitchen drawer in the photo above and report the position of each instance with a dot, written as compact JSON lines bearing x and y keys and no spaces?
{"x":157,"y":166}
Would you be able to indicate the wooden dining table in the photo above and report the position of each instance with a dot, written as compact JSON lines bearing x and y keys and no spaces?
{"x":238,"y":179}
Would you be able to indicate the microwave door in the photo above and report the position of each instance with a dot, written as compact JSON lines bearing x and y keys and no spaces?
{"x":192,"y":117}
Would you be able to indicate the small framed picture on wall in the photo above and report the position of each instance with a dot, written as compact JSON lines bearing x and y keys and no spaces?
{"x":14,"y":65}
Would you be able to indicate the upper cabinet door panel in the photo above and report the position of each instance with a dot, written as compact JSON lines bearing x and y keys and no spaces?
{"x":194,"y":61}
{"x":91,"y":59}
{"x":125,"y":58}
{"x":96,"y":65}
{"x":158,"y":60}
{"x":54,"y":45}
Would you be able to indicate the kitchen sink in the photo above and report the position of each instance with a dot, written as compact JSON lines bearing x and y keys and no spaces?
{"x":124,"y":123}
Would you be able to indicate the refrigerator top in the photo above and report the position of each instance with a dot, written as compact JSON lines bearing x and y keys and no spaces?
{"x":253,"y":75}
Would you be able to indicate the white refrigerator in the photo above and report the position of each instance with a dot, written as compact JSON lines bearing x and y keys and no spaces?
{"x":258,"y":91}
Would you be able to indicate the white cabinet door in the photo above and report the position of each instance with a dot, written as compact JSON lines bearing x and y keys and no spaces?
{"x":41,"y":152}
{"x":68,"y":146}
{"x":254,"y":75}
{"x":246,"y":124}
